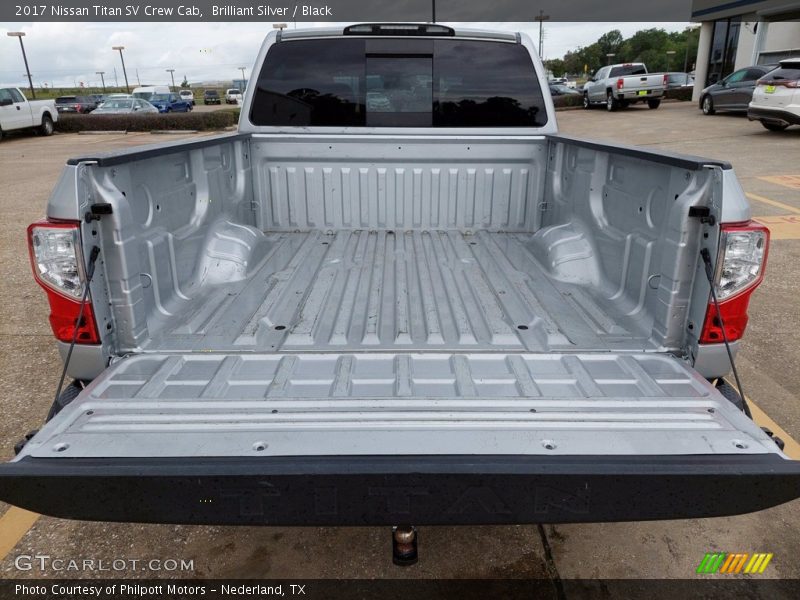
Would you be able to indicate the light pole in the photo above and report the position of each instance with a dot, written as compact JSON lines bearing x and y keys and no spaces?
{"x":20,"y":35}
{"x":172,"y":74}
{"x":103,"y":79}
{"x":541,"y":18}
{"x":609,"y":56}
{"x":124,"y":72}
{"x":244,"y":79}
{"x":279,"y":26}
{"x":669,"y":57}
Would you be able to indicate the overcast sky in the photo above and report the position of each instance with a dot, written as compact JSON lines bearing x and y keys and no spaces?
{"x":62,"y":54}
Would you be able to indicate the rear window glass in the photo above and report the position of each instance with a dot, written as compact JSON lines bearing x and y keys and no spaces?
{"x":398,"y":83}
{"x":790,"y":72}
{"x":624,"y":70}
{"x":66,"y":99}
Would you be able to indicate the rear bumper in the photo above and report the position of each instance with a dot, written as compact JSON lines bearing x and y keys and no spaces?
{"x":387,"y":490}
{"x":770,"y":115}
{"x":633,"y":95}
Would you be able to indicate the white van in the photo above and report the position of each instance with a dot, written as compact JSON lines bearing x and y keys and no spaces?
{"x":147,"y":91}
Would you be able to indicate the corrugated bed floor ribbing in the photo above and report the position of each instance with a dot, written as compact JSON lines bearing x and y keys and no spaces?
{"x":400,"y":291}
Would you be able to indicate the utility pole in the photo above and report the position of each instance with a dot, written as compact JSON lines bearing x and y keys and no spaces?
{"x":244,"y":79}
{"x":137,"y":77}
{"x":124,"y":72}
{"x":20,"y":35}
{"x":172,"y":74}
{"x":686,"y":57}
{"x":541,"y":18}
{"x":103,"y":79}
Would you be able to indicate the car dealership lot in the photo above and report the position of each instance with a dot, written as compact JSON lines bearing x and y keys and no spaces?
{"x":765,"y":163}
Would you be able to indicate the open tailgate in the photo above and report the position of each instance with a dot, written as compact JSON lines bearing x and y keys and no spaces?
{"x":391,"y":438}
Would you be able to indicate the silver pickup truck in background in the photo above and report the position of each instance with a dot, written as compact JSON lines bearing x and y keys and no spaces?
{"x":397,"y":296}
{"x":17,"y":112}
{"x":617,"y":86}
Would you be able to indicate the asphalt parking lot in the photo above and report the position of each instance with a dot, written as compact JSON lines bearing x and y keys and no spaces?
{"x":768,"y":166}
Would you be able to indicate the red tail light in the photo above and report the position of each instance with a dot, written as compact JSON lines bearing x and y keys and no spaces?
{"x":665,"y":80}
{"x":620,"y":83}
{"x":789,"y":83}
{"x":58,"y":266}
{"x":740,"y":268}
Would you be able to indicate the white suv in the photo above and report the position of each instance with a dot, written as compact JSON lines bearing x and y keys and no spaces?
{"x":776,"y":99}
{"x":233,"y":96}
{"x":187,"y":96}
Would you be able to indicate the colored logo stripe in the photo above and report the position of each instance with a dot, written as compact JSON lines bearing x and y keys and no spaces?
{"x":734,"y":563}
{"x":711,"y":562}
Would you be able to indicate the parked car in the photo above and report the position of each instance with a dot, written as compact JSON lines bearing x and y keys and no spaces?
{"x":123,"y":106}
{"x":617,"y":86}
{"x":734,"y":92}
{"x":145,"y":92}
{"x":17,"y":112}
{"x":233,"y":96}
{"x":559,"y":89}
{"x":75,"y":104}
{"x":451,"y":316}
{"x":776,"y":99}
{"x":187,"y":95}
{"x":170,"y":103}
{"x":679,"y":80}
{"x":98,"y":99}
{"x":211,"y":97}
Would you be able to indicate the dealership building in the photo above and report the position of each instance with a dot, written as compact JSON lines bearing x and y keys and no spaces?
{"x":739,"y":33}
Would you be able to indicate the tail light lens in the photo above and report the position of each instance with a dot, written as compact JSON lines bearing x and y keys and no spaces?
{"x":739,"y":270}
{"x":665,"y":80}
{"x":620,"y":83}
{"x":58,"y":267}
{"x":789,"y":83}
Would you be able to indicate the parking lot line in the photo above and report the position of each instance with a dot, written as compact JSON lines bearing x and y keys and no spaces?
{"x":791,"y":448}
{"x":781,"y":227}
{"x":13,"y":525}
{"x":790,"y":181}
{"x":771,"y":202}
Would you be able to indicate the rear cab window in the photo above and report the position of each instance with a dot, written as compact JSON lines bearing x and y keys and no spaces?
{"x":625,"y":70}
{"x":389,"y":82}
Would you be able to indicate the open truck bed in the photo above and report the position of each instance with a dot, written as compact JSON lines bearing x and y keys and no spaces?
{"x":367,"y":324}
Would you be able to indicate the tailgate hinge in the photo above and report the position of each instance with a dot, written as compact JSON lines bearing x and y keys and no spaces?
{"x":703,"y":213}
{"x":97,"y":210}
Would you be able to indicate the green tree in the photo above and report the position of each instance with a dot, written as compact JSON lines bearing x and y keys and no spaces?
{"x":556,"y":66}
{"x":649,"y":46}
{"x":185,"y":82}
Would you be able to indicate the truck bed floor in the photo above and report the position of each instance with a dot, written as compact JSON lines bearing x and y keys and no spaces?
{"x":404,"y":291}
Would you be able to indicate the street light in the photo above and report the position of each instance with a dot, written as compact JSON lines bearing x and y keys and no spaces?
{"x":103,"y":79}
{"x":541,"y":18}
{"x":609,"y":56}
{"x":280,"y":26}
{"x":124,"y":72}
{"x":172,"y":74}
{"x":20,"y":35}
{"x":669,"y":57}
{"x":244,"y":79}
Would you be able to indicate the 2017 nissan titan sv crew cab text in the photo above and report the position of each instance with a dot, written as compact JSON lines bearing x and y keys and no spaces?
{"x":397,"y":296}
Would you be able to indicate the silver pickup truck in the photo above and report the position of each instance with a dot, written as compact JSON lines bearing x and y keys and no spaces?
{"x":397,"y":296}
{"x":617,"y":86}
